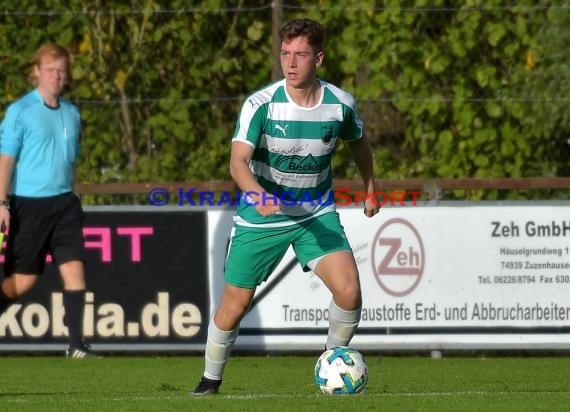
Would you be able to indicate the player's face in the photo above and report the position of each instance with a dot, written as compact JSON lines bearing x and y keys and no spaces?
{"x":299,"y":62}
{"x":52,"y":75}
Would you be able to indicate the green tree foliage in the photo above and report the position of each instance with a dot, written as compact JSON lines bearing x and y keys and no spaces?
{"x":545,"y":91}
{"x":474,"y":90}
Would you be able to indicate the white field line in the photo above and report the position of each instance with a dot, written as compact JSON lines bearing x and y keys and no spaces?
{"x":254,"y":396}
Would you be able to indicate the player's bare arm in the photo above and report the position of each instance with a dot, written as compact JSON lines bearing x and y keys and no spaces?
{"x":362,"y":154}
{"x":6,"y":168}
{"x":239,"y":169}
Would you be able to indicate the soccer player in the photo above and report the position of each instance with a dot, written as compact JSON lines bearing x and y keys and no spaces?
{"x":281,"y":157}
{"x":39,"y":143}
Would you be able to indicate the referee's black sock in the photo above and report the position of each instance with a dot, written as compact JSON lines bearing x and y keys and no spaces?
{"x":5,"y":301}
{"x":74,"y":304}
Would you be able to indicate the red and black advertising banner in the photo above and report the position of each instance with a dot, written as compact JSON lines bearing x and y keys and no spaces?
{"x":147,"y":286}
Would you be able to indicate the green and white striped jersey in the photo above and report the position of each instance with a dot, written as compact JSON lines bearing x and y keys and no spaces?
{"x":293,"y":146}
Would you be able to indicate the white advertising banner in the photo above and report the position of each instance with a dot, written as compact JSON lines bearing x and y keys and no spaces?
{"x":442,"y":276}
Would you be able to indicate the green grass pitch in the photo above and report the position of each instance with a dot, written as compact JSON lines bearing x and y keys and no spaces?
{"x":283,"y":383}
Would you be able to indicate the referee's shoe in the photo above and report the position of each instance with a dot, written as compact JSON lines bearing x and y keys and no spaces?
{"x":80,"y":353}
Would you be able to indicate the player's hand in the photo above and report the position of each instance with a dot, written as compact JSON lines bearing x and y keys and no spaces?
{"x":371,"y":206}
{"x":267,"y":210}
{"x":4,"y":218}
{"x":267,"y":205}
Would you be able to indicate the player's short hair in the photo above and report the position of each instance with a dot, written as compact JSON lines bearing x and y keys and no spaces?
{"x":314,"y":31}
{"x":52,"y":51}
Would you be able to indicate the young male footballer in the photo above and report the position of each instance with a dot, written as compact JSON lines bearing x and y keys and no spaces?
{"x":281,"y":150}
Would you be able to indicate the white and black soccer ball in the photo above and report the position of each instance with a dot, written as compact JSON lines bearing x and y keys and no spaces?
{"x":341,"y":371}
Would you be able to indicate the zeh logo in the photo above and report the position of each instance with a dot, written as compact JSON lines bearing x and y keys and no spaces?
{"x":398,"y":257}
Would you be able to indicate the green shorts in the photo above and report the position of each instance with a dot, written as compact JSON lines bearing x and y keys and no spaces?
{"x":254,"y":253}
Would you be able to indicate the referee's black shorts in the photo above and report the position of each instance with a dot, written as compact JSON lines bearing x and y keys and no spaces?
{"x":39,"y":226}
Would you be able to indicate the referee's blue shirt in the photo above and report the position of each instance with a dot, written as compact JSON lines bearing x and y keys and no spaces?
{"x":45,"y":143}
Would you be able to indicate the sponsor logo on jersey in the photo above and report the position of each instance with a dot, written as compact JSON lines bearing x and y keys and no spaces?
{"x":299,"y":164}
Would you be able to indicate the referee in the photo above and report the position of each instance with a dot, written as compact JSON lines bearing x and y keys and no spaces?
{"x":39,"y":144}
